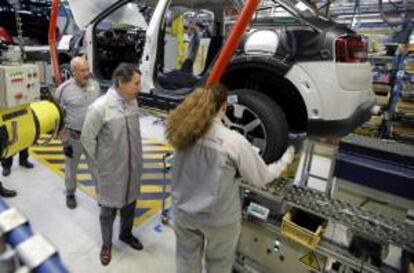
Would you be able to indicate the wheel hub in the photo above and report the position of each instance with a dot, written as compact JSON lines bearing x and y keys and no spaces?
{"x":244,"y":121}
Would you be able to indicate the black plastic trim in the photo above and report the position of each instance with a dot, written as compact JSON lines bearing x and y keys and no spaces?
{"x":37,"y":127}
{"x":258,"y":61}
{"x":341,"y":127}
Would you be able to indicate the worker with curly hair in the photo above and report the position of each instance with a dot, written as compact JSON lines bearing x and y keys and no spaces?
{"x":209,"y":160}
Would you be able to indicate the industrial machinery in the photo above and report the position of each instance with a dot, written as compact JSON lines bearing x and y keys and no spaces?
{"x":24,"y":118}
{"x":286,"y":227}
{"x":362,"y":225}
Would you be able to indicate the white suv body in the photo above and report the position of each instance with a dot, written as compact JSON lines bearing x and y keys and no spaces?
{"x":304,"y":74}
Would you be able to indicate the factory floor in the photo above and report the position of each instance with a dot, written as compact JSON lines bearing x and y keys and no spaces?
{"x":76,"y":233}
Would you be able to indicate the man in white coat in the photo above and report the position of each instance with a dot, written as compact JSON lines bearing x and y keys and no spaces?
{"x":111,"y":136}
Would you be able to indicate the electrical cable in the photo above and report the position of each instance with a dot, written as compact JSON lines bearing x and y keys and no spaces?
{"x":362,"y":266}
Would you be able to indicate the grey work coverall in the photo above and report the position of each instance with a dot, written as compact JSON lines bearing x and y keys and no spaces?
{"x":111,"y":136}
{"x":206,"y":201}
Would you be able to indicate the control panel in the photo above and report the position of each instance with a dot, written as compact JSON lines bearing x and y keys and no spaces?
{"x":19,"y":84}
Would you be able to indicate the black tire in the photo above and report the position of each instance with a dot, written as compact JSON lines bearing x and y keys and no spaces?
{"x":273,"y":125}
{"x":65,"y":71}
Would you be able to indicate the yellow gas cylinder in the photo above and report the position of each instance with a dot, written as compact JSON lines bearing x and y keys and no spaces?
{"x":21,"y":126}
{"x":17,"y":130}
{"x":48,"y":116}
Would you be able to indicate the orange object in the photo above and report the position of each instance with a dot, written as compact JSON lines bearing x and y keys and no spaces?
{"x":52,"y":41}
{"x":19,"y":96}
{"x":233,"y":41}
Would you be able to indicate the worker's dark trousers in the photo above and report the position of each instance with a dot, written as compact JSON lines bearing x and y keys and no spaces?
{"x":107,"y":218}
{"x":8,"y":162}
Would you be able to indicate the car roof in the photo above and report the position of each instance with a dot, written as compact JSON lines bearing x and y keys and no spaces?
{"x":85,"y":12}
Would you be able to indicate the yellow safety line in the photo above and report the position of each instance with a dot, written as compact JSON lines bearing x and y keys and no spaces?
{"x":154,"y":176}
{"x":42,"y":160}
{"x":153,"y":156}
{"x":48,"y":149}
{"x":153,"y":206}
{"x":81,"y":166}
{"x":154,"y":188}
{"x":153,"y":165}
{"x":51,"y":156}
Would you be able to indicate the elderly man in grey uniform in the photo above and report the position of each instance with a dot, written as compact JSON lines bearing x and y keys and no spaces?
{"x":75,"y":96}
{"x":112,"y":138}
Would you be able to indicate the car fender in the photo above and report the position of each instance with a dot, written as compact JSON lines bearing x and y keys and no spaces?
{"x":308,"y":89}
{"x":292,"y":72}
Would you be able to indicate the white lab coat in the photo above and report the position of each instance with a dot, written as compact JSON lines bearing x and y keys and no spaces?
{"x":206,"y":176}
{"x":112,"y":138}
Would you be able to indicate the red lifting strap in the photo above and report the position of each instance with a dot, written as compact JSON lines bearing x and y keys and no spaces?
{"x":232,"y":41}
{"x":53,"y":43}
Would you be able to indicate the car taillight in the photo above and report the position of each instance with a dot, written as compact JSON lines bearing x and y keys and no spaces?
{"x":5,"y":36}
{"x":351,"y":49}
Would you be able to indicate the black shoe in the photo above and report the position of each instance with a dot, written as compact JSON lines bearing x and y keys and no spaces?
{"x":26,"y":165}
{"x":132,"y":241}
{"x":71,"y":201}
{"x":6,"y":171}
{"x":105,"y":255}
{"x":6,"y":193}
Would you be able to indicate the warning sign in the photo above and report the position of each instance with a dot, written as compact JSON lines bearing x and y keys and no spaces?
{"x":311,"y":261}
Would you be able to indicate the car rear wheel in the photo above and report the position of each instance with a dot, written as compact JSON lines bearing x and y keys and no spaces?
{"x":260,"y":120}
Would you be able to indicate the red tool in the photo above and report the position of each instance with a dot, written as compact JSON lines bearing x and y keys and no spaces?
{"x":233,"y":41}
{"x":53,"y":43}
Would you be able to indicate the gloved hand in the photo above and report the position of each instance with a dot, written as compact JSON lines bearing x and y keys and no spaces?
{"x":280,"y":166}
{"x":288,"y":156}
{"x":256,"y":149}
{"x":68,"y":150}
